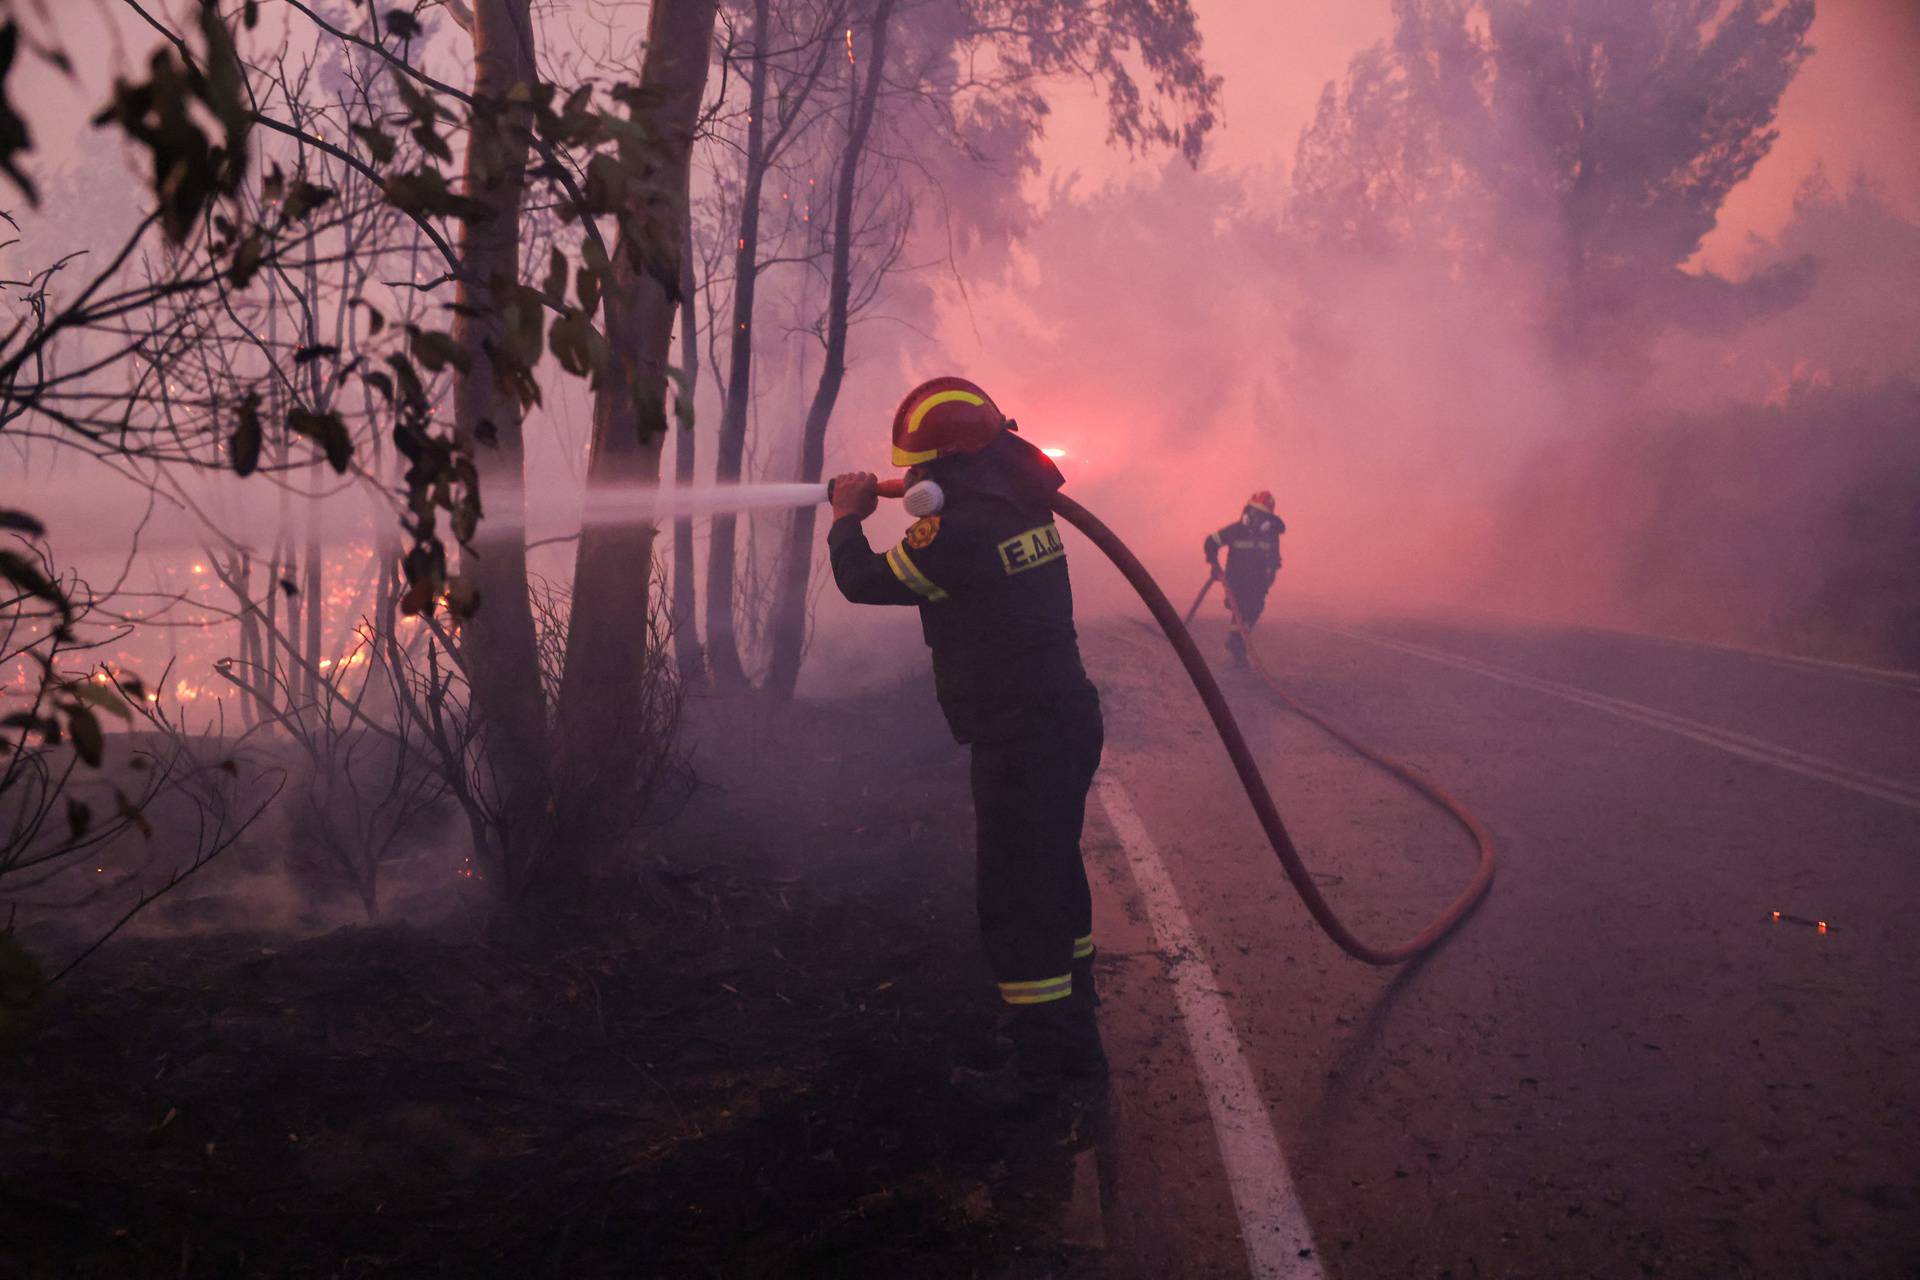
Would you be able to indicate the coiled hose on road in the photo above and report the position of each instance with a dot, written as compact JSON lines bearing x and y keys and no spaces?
{"x":1243,"y":762}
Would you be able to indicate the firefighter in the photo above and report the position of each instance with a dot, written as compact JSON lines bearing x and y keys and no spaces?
{"x":988,"y":573}
{"x":1253,"y":558}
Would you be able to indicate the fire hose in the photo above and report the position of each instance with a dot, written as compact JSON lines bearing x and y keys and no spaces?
{"x":1175,"y":628}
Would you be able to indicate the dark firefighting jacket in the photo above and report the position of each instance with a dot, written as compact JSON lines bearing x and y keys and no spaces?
{"x":1253,"y":546}
{"x":989,"y":574}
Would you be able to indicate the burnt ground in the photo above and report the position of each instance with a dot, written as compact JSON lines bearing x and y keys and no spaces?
{"x":738,"y":1066}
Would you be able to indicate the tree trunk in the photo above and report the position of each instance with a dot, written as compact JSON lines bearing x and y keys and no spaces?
{"x":270,"y":665}
{"x":723,"y":647}
{"x":497,"y":644}
{"x":686,"y":635}
{"x":313,"y":599}
{"x":241,"y":571}
{"x":277,"y":563}
{"x":789,"y":633}
{"x":603,"y":704}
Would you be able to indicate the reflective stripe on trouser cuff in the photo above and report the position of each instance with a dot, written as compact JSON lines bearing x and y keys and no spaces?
{"x":1039,"y":991}
{"x":1083,"y":947}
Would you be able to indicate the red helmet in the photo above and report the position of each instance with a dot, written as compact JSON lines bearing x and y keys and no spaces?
{"x":1262,"y":500}
{"x":943,"y":416}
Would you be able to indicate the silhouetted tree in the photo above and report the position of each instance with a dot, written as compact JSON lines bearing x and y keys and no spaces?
{"x":786,"y":50}
{"x":1580,"y":147}
{"x":788,"y":631}
{"x":933,"y":103}
{"x":614,"y":659}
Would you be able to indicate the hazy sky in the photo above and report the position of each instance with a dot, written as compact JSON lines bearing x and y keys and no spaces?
{"x":1854,"y":107}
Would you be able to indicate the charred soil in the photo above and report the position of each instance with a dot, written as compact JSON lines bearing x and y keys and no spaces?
{"x":738,"y":1065}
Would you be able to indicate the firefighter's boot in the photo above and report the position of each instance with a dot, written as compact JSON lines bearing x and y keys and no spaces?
{"x":1083,"y":983}
{"x":1084,"y":1057}
{"x":1054,"y":1046}
{"x":1238,"y":648}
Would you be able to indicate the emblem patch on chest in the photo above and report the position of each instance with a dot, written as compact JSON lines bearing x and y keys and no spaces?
{"x":1032,"y":549}
{"x":923,"y":532}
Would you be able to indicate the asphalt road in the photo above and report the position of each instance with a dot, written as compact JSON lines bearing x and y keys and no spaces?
{"x":1622,"y":1065}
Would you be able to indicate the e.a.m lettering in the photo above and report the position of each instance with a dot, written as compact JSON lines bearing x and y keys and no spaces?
{"x":1032,"y":549}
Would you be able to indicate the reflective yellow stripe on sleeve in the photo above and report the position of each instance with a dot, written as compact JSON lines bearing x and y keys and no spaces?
{"x":1039,"y":991}
{"x":1083,"y":947}
{"x":904,"y":569}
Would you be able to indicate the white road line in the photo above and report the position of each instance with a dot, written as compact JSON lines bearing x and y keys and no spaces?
{"x":1273,"y":1226}
{"x":1891,"y":790}
{"x":1891,"y":677}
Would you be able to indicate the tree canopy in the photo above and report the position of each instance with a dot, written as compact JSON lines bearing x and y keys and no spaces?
{"x":1583,"y":145}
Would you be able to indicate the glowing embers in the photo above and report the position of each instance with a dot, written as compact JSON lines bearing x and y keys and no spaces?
{"x":1818,"y":926}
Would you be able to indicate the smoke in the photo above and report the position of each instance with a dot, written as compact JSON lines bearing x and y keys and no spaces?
{"x":1771,"y":494}
{"x":1499,"y":401}
{"x":1185,"y":350}
{"x":1857,"y":319}
{"x":1791,"y":525}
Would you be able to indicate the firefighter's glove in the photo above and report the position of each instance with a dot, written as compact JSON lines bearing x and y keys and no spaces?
{"x":855,"y":494}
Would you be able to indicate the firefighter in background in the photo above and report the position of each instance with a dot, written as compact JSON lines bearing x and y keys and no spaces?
{"x":1253,"y":558}
{"x":988,"y":572}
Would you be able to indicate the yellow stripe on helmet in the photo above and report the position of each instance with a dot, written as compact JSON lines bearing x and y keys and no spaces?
{"x":904,"y":457}
{"x":938,"y":398}
{"x":907,"y":458}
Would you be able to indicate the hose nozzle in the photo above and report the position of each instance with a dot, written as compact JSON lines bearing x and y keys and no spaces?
{"x":923,"y":499}
{"x":884,"y":489}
